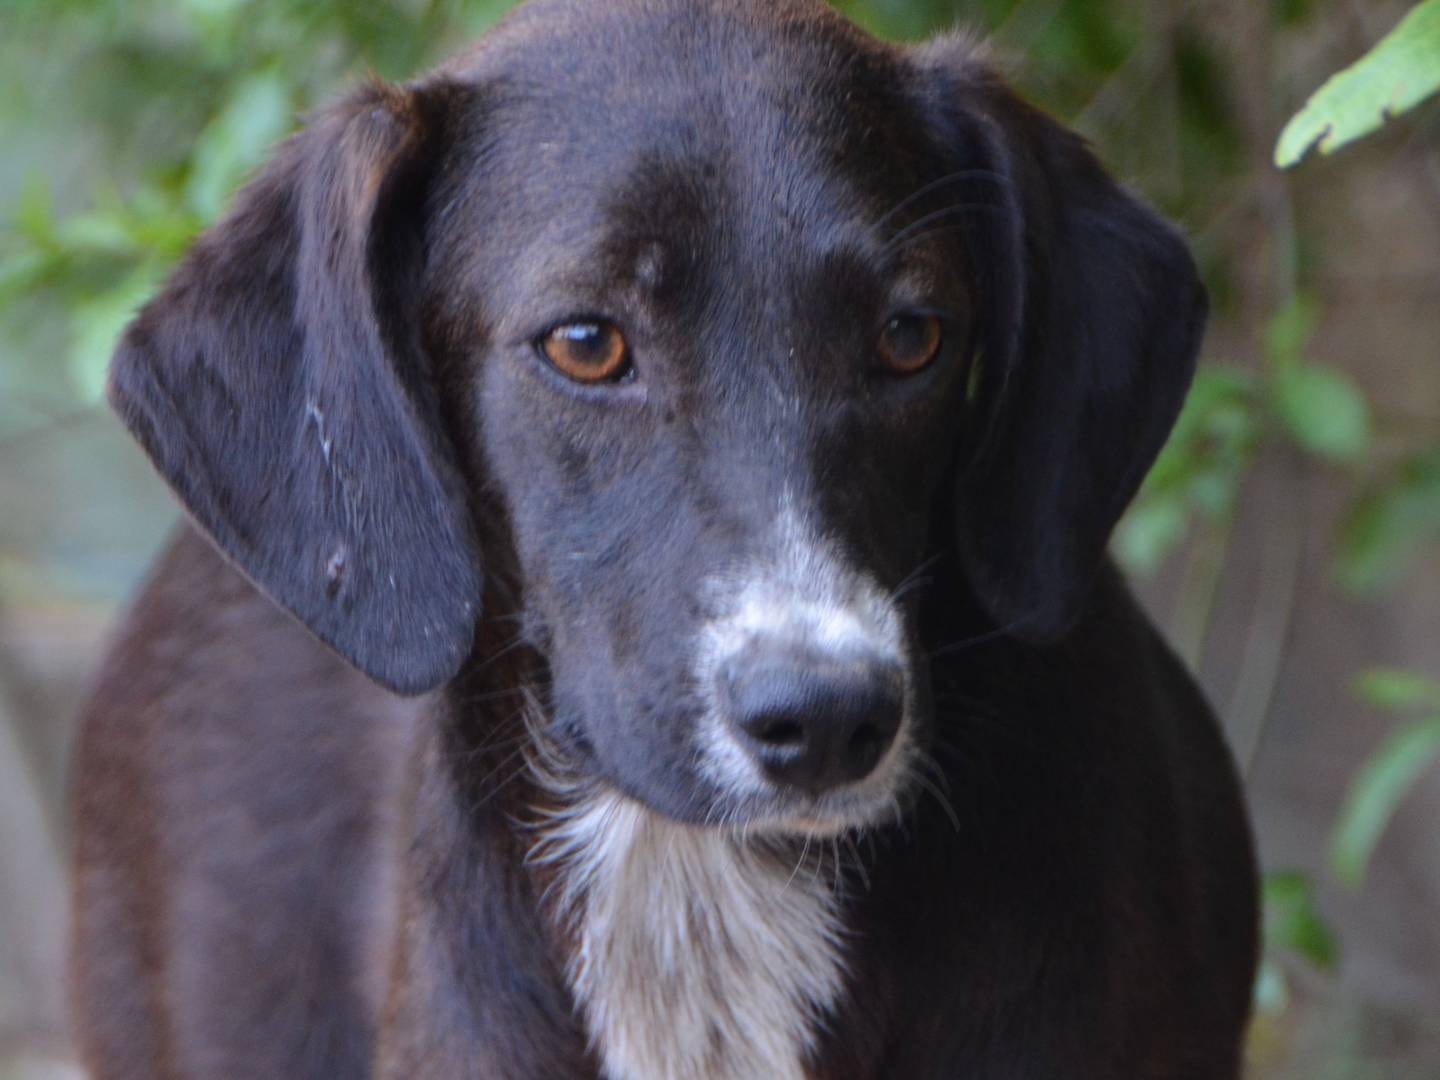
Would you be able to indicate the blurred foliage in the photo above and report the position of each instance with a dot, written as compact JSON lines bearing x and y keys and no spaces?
{"x":168,"y":106}
{"x":1229,"y":417}
{"x":128,"y":124}
{"x":1391,"y":771}
{"x":1291,"y":925}
{"x":1390,"y":521}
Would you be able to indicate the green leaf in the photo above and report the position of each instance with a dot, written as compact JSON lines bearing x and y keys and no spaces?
{"x":256,"y":114}
{"x":1374,"y":540}
{"x":34,"y":214}
{"x":1397,"y":74}
{"x":1149,"y":532}
{"x":1291,"y":921}
{"x":1323,"y":411}
{"x":96,"y":326}
{"x":1388,"y":524}
{"x":19,"y":272}
{"x":96,"y":231}
{"x":1198,"y":470}
{"x":1376,"y":791}
{"x":1396,"y":688}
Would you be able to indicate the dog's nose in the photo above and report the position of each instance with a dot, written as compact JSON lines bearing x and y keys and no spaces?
{"x":814,"y":722}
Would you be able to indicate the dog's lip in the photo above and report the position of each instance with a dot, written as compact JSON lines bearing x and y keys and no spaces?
{"x":832,"y":814}
{"x":853,"y":808}
{"x":849,"y":809}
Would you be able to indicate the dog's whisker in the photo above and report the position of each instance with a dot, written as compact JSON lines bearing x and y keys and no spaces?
{"x":857,"y":860}
{"x":910,"y":580}
{"x":484,"y":697}
{"x":516,"y":642}
{"x":922,"y":225}
{"x":935,"y":185}
{"x":974,"y":640}
{"x":933,"y":232}
{"x":481,"y":784}
{"x":817,"y":865}
{"x":504,"y":742}
{"x":928,"y":764}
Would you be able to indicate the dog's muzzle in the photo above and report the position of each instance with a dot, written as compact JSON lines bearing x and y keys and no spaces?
{"x":809,"y":695}
{"x":811,"y":719}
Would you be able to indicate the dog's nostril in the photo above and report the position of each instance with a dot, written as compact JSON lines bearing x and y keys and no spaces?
{"x":780,"y":732}
{"x":813,"y":722}
{"x":867,"y":744}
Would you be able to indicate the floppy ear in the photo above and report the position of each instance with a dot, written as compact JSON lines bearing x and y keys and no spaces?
{"x":1094,"y":316}
{"x":279,"y":387}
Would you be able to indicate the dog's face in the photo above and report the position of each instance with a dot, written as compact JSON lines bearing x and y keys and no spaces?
{"x":717,"y":397}
{"x":736,"y":317}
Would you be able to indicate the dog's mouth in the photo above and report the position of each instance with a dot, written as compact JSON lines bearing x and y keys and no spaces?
{"x":570,"y":773}
{"x":879,"y":800}
{"x":566,"y":770}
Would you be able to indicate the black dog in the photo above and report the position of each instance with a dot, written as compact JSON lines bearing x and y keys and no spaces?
{"x":724,"y":414}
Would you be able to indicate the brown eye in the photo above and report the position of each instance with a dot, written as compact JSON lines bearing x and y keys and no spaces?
{"x":588,"y":352}
{"x":909,"y":342}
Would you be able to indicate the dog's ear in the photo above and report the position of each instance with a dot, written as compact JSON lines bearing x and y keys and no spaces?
{"x":1093,"y":314}
{"x":279,"y":386}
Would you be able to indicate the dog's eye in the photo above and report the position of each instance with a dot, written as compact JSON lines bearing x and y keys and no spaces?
{"x":909,"y":342}
{"x":588,"y":352}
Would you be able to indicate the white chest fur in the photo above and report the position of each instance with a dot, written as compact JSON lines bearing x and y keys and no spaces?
{"x":699,"y":954}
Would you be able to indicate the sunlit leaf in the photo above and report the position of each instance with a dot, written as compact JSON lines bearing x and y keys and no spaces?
{"x":1323,"y":411}
{"x":478,"y":15}
{"x":1401,"y":71}
{"x":257,"y":113}
{"x":96,"y":231}
{"x":96,"y":326}
{"x":1376,"y":791}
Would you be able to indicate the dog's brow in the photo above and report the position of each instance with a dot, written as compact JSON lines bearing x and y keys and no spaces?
{"x":650,"y":266}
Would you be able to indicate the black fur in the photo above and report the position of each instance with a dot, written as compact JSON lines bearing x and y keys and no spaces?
{"x":284,"y":870}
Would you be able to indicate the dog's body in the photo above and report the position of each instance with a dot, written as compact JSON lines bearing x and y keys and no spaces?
{"x":720,"y":786}
{"x":1064,"y":929}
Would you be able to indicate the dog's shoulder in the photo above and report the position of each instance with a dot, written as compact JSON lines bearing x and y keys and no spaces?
{"x":236,"y":788}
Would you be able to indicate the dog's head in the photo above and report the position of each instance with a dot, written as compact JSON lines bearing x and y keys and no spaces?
{"x":724,"y":316}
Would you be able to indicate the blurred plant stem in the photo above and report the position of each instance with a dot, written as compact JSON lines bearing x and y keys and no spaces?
{"x":23,"y":708}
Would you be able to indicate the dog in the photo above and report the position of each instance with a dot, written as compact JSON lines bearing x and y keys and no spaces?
{"x":644,"y":609}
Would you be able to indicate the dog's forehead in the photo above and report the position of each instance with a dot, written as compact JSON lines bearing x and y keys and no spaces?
{"x":653,"y":133}
{"x":605,"y":78}
{"x":622,"y":45}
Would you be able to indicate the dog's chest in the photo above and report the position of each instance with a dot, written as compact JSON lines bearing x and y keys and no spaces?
{"x":695,"y":953}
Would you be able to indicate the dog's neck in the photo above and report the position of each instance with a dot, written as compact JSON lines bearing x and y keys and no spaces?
{"x":692,"y":951}
{"x":688,"y":951}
